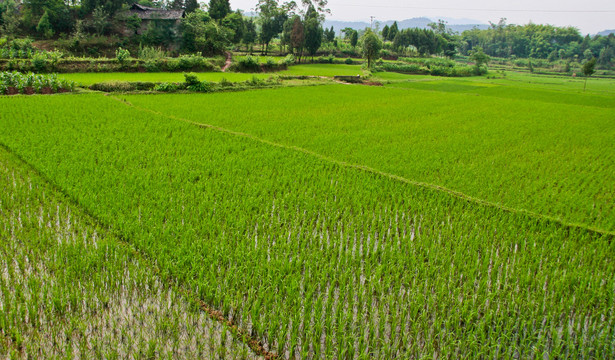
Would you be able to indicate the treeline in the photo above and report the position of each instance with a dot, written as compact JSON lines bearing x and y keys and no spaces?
{"x":209,"y":29}
{"x":540,"y":42}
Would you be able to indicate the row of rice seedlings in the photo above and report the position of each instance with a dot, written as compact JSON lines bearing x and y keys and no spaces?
{"x":320,"y":261}
{"x":37,"y":83}
{"x":67,"y":290}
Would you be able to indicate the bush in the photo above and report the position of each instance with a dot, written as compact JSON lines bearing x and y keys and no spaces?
{"x":122,"y":55}
{"x":151,"y":53}
{"x":112,"y":86}
{"x":248,"y":64}
{"x":152,"y":65}
{"x":191,"y":79}
{"x":348,"y":61}
{"x":166,"y":87}
{"x":122,"y":86}
{"x":225,"y":83}
{"x":288,"y":60}
{"x":39,"y":62}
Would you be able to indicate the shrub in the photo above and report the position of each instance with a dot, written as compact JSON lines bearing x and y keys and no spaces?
{"x":191,"y":79}
{"x":166,"y":87}
{"x":152,"y":65}
{"x":112,"y":86}
{"x":39,"y":62}
{"x":248,"y":64}
{"x":151,"y":53}
{"x":225,"y":83}
{"x":288,"y":60}
{"x":348,"y":61}
{"x":122,"y":55}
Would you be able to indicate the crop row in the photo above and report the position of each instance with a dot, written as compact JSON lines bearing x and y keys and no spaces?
{"x":69,"y":290}
{"x":17,"y":83}
{"x":318,"y":260}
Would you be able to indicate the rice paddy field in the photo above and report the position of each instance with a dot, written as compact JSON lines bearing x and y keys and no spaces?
{"x":92,"y":78}
{"x":427,"y":218}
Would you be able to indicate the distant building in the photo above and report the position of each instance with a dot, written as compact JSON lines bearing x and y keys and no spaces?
{"x":150,"y":15}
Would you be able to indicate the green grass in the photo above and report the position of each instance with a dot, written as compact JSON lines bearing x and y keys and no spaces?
{"x":532,"y":152}
{"x":318,"y":258}
{"x":329,"y":70}
{"x":92,"y":78}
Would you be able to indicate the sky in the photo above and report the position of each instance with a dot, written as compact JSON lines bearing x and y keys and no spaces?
{"x":589,"y":16}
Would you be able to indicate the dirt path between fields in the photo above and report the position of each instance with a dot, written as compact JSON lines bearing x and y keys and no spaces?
{"x":227,"y":64}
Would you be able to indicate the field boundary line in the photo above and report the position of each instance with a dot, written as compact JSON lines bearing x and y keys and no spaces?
{"x":454,"y":193}
{"x":240,"y":334}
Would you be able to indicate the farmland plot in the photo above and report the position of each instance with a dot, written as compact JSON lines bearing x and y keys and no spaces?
{"x":317,"y":259}
{"x":536,"y":155}
{"x":69,"y":290}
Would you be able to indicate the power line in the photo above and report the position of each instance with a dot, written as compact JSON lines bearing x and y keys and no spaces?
{"x":477,"y":9}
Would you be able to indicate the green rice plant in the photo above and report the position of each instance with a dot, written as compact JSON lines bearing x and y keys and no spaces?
{"x":70,"y":289}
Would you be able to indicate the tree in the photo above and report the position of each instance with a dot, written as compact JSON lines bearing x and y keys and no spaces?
{"x":9,"y":18}
{"x":218,"y":9}
{"x":313,"y":35}
{"x":393,"y":30}
{"x":249,"y":34}
{"x":234,"y":22}
{"x":44,"y":26}
{"x":385,"y":32}
{"x":201,"y":34}
{"x":354,"y":38}
{"x":176,"y":4}
{"x":480,"y":58}
{"x":297,"y":37}
{"x":371,"y":46}
{"x":329,"y":35}
{"x":589,"y":68}
{"x":134,"y":23}
{"x":99,"y":20}
{"x":191,"y":6}
{"x":272,"y":18}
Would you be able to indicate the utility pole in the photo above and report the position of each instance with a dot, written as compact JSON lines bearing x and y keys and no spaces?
{"x":371,"y":22}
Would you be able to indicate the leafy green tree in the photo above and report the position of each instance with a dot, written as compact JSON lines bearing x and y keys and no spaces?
{"x":385,"y":32}
{"x":176,"y":4}
{"x":110,"y":6}
{"x":329,"y":35}
{"x":271,"y":18}
{"x":347,"y":31}
{"x":297,"y":37}
{"x":371,"y":46}
{"x":354,"y":38}
{"x":480,"y":58}
{"x":313,"y":35}
{"x":9,"y":18}
{"x":191,"y":6}
{"x":134,"y":23}
{"x":44,"y":26}
{"x":234,"y":22}
{"x":249,"y":34}
{"x":192,"y":29}
{"x":393,"y":30}
{"x":99,"y":20}
{"x":218,"y":9}
{"x":57,"y":13}
{"x":589,"y":68}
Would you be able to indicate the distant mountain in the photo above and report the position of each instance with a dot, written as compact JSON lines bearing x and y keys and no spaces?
{"x":606,"y":32}
{"x":420,"y":22}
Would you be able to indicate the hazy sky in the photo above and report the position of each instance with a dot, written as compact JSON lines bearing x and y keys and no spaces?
{"x":590,"y":16}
